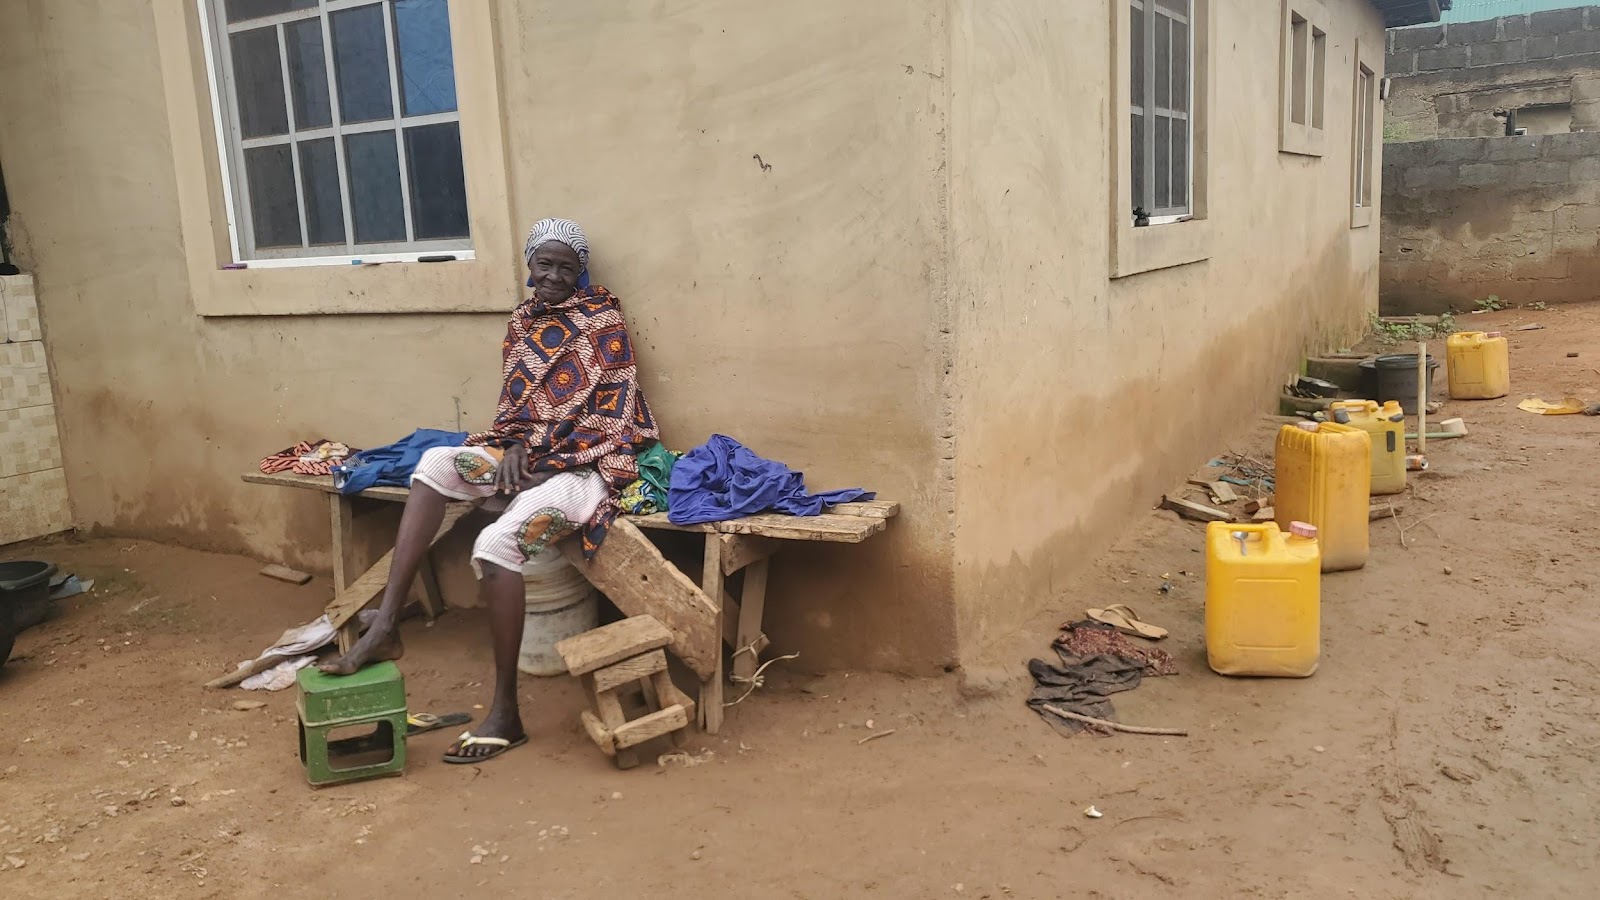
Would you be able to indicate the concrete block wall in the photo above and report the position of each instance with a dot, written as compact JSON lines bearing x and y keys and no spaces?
{"x":33,"y":485}
{"x":1448,"y":80}
{"x":1517,"y":217}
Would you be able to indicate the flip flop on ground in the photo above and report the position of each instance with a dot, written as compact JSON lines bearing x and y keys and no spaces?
{"x":1127,"y":621}
{"x":468,"y":739}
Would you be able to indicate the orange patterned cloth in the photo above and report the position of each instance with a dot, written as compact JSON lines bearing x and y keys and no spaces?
{"x":307,"y":458}
{"x":571,"y":396}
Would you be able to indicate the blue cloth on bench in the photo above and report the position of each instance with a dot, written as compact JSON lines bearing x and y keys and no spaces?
{"x":723,"y":479}
{"x":392,"y":465}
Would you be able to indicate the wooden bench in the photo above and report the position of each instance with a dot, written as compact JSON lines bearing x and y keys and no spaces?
{"x":634,"y":575}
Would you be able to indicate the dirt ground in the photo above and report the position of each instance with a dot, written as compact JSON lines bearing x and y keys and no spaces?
{"x":1446,"y":748}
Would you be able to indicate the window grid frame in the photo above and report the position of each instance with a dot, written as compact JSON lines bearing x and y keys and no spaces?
{"x":1303,"y":77}
{"x":1149,"y":111}
{"x":217,"y":35}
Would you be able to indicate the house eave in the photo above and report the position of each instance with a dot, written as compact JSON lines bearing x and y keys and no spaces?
{"x":1397,"y":13}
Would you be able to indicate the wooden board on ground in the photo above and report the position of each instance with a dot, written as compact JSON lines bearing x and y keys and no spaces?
{"x":612,"y":643}
{"x":1384,"y":510}
{"x":1195,"y":511}
{"x":650,"y":727}
{"x":641,"y":582}
{"x":284,"y":573}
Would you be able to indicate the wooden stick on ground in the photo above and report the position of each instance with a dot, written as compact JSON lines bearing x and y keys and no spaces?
{"x":1114,"y":726}
{"x":1422,"y":397}
{"x":874,"y":736}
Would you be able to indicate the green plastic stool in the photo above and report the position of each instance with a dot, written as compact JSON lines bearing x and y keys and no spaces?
{"x":375,"y":696}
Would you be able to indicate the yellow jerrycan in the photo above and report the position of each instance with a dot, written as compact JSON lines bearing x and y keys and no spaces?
{"x":1479,"y":365}
{"x":1323,"y":471}
{"x":1386,"y":426}
{"x":1263,"y":599}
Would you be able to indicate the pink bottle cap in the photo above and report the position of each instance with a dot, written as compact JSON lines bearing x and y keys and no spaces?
{"x":1303,"y":529}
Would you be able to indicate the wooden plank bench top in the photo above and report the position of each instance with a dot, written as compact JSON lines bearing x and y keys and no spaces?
{"x":847,"y":523}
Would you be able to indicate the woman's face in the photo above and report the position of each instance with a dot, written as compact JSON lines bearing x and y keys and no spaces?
{"x":555,"y":272}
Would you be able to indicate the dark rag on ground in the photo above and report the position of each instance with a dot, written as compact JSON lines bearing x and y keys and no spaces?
{"x":392,"y":464}
{"x":1096,"y":661}
{"x":723,"y":479}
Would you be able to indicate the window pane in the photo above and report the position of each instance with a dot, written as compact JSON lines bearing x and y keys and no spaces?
{"x":1136,"y":56}
{"x":1163,"y":62}
{"x":1180,"y":67}
{"x":360,"y":54}
{"x":308,"y":74}
{"x":258,"y":83}
{"x":1180,"y":164}
{"x":375,"y":204}
{"x":274,"y":212}
{"x":1319,"y":72}
{"x":1136,"y":138}
{"x":1163,"y":162}
{"x":427,"y":68}
{"x":438,"y":185}
{"x":239,"y":10}
{"x":1299,"y":46}
{"x":319,"y":175}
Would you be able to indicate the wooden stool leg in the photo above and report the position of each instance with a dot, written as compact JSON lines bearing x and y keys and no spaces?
{"x":711,"y":585}
{"x":609,"y":707}
{"x":432,"y":597}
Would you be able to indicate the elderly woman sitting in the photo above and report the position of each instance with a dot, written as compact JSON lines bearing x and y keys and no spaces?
{"x":570,"y":422}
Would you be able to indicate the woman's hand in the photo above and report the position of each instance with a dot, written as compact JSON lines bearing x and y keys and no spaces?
{"x":515,"y":473}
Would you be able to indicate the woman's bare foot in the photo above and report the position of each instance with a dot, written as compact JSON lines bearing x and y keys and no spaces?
{"x":499,"y":723}
{"x":378,"y":644}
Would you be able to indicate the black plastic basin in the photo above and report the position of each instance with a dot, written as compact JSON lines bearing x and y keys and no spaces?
{"x":24,"y":599}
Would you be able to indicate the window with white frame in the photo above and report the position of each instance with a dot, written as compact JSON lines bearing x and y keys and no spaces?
{"x":338,"y":125}
{"x":1304,"y":78}
{"x":1365,"y":131}
{"x":1161,"y":74}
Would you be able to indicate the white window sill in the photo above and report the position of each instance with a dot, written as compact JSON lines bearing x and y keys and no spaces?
{"x":1159,"y":246}
{"x":1361,"y":216}
{"x":301,"y":262}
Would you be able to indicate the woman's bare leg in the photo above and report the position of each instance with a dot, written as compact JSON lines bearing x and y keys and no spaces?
{"x":418,"y":524}
{"x":501,"y":590}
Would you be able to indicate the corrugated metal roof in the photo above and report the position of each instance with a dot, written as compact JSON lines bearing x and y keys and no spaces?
{"x":1410,"y":12}
{"x":1478,"y":10}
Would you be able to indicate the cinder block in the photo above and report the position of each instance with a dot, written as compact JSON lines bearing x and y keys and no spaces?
{"x":1481,"y":32}
{"x":1436,"y":176}
{"x":24,"y":379}
{"x":34,"y":505}
{"x":1578,"y":218}
{"x":1574,"y":145}
{"x":1497,"y":54}
{"x":1540,"y":47}
{"x":29,"y":441}
{"x":1556,"y":21}
{"x":21,"y":308}
{"x":1578,"y":42}
{"x":1513,"y":28}
{"x":1460,"y":149}
{"x":1481,"y":174}
{"x":1400,"y":64}
{"x":1539,"y":172}
{"x":1586,"y":169}
{"x":1511,"y":149}
{"x":1438,"y":59}
{"x":1417,"y":38}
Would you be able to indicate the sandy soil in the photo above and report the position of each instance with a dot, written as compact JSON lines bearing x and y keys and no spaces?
{"x":1446,"y":748}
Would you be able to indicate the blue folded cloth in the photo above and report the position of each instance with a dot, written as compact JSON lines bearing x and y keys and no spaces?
{"x":392,"y":465}
{"x":723,"y":479}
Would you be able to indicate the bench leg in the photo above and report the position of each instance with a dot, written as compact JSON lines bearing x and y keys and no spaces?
{"x":751,"y":604}
{"x":432,"y":596}
{"x":342,"y":513}
{"x":711,"y":690}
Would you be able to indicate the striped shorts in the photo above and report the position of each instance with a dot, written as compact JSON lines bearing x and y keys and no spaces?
{"x":533,"y":520}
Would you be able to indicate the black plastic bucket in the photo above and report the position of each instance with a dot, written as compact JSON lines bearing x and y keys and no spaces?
{"x":1393,"y":376}
{"x":24,"y":599}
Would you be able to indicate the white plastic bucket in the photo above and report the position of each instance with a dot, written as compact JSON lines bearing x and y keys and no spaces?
{"x":560,"y":604}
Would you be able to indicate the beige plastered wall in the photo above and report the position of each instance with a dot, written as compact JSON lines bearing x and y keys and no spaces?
{"x":797,"y":303}
{"x":1083,"y":398}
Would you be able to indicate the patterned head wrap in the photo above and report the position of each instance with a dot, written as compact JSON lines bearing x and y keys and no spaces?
{"x":565,"y":231}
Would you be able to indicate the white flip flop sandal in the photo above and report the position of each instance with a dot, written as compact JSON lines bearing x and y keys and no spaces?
{"x":468,"y":739}
{"x":1127,"y":621}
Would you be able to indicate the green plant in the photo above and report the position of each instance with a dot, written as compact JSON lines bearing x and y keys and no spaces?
{"x":1390,"y":333}
{"x":1491,"y":303}
{"x":1395,"y":133}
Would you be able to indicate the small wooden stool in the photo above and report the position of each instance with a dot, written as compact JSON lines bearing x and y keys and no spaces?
{"x":374,"y":696}
{"x":625,"y":656}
